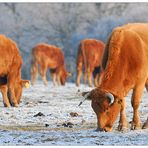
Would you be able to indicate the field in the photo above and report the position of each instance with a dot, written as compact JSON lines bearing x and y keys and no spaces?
{"x":50,"y":115}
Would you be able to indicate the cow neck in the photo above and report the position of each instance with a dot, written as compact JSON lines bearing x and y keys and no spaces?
{"x":113,"y":87}
{"x":115,"y":79}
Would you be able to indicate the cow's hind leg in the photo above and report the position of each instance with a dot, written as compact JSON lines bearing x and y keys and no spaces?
{"x":43,"y":70}
{"x":85,"y":77}
{"x":89,"y":76}
{"x":4,"y":91}
{"x":96,"y":78}
{"x":34,"y":73}
{"x":79,"y":73}
{"x":96,"y":75}
{"x":136,"y":98}
{"x":53,"y":76}
{"x":123,"y":122}
{"x":146,"y":84}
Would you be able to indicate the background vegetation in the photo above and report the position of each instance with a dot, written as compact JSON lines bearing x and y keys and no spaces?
{"x":64,"y":25}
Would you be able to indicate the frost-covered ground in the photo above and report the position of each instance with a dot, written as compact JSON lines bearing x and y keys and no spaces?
{"x":56,"y":126}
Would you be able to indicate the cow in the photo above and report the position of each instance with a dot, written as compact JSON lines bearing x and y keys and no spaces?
{"x":11,"y":84}
{"x":52,"y":57}
{"x":89,"y":57}
{"x":125,"y":64}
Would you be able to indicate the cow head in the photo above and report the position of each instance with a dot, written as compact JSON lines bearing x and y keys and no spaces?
{"x":106,"y":106}
{"x":64,"y":75}
{"x":18,"y":87}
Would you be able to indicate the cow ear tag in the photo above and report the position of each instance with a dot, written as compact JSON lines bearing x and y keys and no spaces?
{"x":27,"y":85}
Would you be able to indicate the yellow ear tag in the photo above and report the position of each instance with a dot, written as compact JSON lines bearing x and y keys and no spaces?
{"x":69,"y":74}
{"x":27,"y":85}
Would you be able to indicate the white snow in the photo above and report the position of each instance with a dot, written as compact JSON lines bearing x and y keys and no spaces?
{"x":18,"y":126}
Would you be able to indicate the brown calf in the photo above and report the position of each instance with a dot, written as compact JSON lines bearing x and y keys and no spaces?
{"x":48,"y":56}
{"x":89,"y":57}
{"x":11,"y":83}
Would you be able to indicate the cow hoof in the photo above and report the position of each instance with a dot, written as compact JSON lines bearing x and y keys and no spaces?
{"x":77,"y":84}
{"x":135,"y":126}
{"x":15,"y":105}
{"x":6,"y":105}
{"x":145,"y":125}
{"x":122,"y":128}
{"x":99,"y":130}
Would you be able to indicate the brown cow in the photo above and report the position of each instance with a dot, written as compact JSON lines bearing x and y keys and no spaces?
{"x":11,"y":83}
{"x":126,"y":67}
{"x":90,"y":54}
{"x":48,"y":56}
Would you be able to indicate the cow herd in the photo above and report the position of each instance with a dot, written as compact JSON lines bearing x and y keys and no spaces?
{"x":117,"y":67}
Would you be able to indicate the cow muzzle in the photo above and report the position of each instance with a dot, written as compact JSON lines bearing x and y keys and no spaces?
{"x":100,"y":130}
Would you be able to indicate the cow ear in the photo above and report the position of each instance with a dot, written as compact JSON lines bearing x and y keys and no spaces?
{"x":69,"y":74}
{"x":25,"y":83}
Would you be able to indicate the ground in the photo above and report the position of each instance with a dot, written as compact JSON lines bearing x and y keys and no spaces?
{"x":50,"y":115}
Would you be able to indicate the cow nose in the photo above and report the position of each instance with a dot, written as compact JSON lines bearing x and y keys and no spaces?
{"x":100,"y":130}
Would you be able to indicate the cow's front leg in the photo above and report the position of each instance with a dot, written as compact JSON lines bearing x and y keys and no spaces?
{"x":11,"y":94}
{"x":53,"y":75}
{"x":59,"y":79}
{"x":136,"y":98}
{"x":4,"y":90}
{"x":122,"y":121}
{"x":145,"y":125}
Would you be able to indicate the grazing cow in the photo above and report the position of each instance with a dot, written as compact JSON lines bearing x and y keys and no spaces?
{"x":89,"y":57}
{"x":125,"y":62}
{"x":48,"y":56}
{"x":11,"y":83}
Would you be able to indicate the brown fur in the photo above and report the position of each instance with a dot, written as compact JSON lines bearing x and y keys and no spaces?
{"x":48,"y":56}
{"x":10,"y":72}
{"x":89,"y":57}
{"x":125,"y":62}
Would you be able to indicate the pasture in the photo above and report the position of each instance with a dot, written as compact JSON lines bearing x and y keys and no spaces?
{"x":49,"y":115}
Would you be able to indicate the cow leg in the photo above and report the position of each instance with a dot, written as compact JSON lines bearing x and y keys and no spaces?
{"x":146,"y":84}
{"x":96,"y":78}
{"x":79,"y":74}
{"x":136,"y":98}
{"x":85,"y":77}
{"x":89,"y":76}
{"x":59,"y":81}
{"x":145,"y":125}
{"x":123,"y":122}
{"x":12,"y":98}
{"x":4,"y":91}
{"x":43,"y":70}
{"x":34,"y":73}
{"x":53,"y":75}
